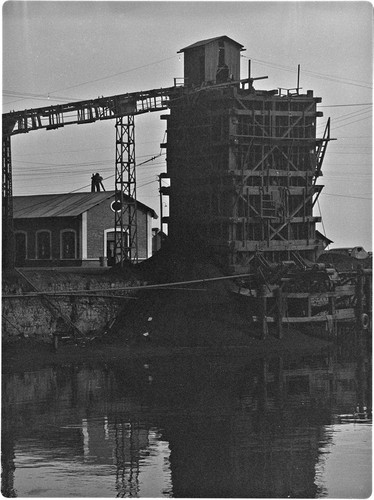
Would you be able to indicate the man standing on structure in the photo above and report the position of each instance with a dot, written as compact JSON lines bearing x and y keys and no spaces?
{"x":96,"y":183}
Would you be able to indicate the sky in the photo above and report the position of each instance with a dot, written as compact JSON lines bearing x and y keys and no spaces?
{"x":55,"y":52}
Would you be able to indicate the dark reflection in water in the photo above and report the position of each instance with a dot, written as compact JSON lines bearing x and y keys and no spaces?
{"x":190,"y":426}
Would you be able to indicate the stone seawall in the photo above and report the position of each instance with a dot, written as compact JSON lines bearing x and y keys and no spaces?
{"x":42,"y":317}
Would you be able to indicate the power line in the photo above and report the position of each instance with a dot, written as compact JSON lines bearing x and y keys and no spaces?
{"x":104,"y":161}
{"x":320,"y":213}
{"x":347,"y":116}
{"x":37,"y":97}
{"x":29,"y":95}
{"x":352,"y":114}
{"x":81,"y":150}
{"x":350,"y":165}
{"x":114,"y":75}
{"x":344,"y":105}
{"x":349,"y":153}
{"x":348,"y":196}
{"x":111,"y":176}
{"x":347,"y":81}
{"x":350,"y":123}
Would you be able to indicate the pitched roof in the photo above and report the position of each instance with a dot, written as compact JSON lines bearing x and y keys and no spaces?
{"x":63,"y":205}
{"x":209,"y":40}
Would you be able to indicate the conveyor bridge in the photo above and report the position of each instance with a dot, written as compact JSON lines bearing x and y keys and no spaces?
{"x":79,"y":112}
{"x":122,"y":108}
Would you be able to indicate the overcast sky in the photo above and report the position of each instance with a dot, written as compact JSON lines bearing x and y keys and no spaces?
{"x":55,"y":52}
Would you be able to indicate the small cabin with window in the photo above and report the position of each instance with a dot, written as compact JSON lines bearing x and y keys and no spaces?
{"x":75,"y":229}
{"x":216,"y":60}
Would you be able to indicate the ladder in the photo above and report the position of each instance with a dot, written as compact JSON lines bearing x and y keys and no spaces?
{"x":322,"y":150}
{"x":268,"y":206}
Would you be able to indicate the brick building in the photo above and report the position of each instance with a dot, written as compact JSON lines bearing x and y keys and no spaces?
{"x":75,"y":229}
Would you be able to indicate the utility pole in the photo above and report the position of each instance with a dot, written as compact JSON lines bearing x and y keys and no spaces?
{"x":160,"y":191}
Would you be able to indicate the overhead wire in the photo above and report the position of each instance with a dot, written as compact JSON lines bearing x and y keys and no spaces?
{"x":340,"y":119}
{"x":39,"y":97}
{"x":81,"y":150}
{"x":114,"y":74}
{"x":332,"y":78}
{"x":111,"y":176}
{"x":75,"y":164}
{"x":351,"y":123}
{"x":346,"y":116}
{"x":320,"y":213}
{"x":48,"y":95}
{"x":45,"y":167}
{"x":334,"y":127}
{"x":352,"y":114}
{"x":345,"y":105}
{"x":348,"y":196}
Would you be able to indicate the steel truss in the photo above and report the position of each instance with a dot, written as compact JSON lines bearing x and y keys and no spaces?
{"x":80,"y":112}
{"x":126,"y":234}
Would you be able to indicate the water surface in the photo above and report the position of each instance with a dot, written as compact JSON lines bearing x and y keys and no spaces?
{"x":192,"y":426}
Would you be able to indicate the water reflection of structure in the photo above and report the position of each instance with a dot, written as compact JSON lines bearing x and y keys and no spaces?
{"x":127,"y":444}
{"x":234,"y":427}
{"x":7,"y":464}
{"x":267,"y":448}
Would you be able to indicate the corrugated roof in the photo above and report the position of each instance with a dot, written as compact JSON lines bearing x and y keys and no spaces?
{"x":62,"y":205}
{"x":209,"y":40}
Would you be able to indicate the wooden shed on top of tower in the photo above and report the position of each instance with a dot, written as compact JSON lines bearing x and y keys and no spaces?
{"x":215,"y":60}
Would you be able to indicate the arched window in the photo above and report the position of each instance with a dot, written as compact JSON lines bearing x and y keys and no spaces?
{"x":20,"y":247}
{"x":43,"y":245}
{"x":68,"y":244}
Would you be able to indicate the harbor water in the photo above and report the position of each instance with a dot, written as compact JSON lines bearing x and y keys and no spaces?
{"x":196,"y":425}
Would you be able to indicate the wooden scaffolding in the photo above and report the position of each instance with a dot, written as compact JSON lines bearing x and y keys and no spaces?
{"x":243,"y":166}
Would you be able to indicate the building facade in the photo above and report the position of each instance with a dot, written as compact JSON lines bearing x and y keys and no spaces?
{"x":75,"y":229}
